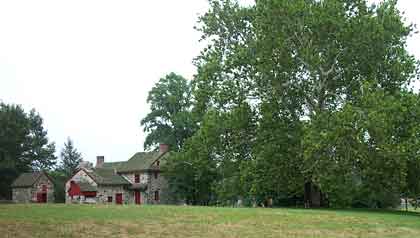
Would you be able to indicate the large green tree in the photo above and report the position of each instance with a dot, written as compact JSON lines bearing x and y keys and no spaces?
{"x":170,"y":120}
{"x":191,"y":173}
{"x":207,"y":170}
{"x":24,"y":145}
{"x":298,"y":96}
{"x":309,"y":64}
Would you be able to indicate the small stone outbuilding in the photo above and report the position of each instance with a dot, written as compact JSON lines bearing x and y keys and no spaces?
{"x":36,"y":187}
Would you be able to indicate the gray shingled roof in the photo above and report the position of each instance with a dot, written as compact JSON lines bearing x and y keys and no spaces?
{"x":86,"y":187}
{"x":26,"y":180}
{"x":112,"y":165}
{"x":107,"y":177}
{"x":140,"y":186}
{"x":138,"y":162}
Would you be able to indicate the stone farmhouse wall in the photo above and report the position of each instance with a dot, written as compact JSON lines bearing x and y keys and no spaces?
{"x":144,"y":177}
{"x":158,"y":184}
{"x":109,"y":191}
{"x":153,"y":184}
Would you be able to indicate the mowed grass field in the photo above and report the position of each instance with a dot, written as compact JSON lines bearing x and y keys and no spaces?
{"x":182,"y":221}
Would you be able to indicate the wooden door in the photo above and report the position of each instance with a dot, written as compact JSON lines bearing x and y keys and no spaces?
{"x":44,"y":197}
{"x":41,"y":197}
{"x":118,"y":198}
{"x":137,"y":197}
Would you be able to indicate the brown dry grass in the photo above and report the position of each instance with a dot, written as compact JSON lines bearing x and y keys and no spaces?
{"x":165,"y":221}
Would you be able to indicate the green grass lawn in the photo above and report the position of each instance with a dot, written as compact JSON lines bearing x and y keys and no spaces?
{"x":172,"y":221}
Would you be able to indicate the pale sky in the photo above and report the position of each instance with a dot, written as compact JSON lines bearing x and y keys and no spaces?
{"x":87,"y":65}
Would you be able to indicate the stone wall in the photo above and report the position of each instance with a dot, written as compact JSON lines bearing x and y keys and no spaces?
{"x":153,"y":184}
{"x":144,"y":177}
{"x":21,"y":195}
{"x":110,"y":191}
{"x":159,"y":184}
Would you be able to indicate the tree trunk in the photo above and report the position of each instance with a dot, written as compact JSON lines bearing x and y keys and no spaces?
{"x":312,"y":195}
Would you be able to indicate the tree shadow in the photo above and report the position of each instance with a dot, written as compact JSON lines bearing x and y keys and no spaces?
{"x":376,"y":211}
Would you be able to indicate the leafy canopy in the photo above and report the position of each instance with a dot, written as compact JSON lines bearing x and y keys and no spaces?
{"x":170,"y":120}
{"x":295,"y":93}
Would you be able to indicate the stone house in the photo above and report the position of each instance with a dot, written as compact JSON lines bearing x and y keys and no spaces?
{"x":135,"y":181}
{"x":35,"y":187}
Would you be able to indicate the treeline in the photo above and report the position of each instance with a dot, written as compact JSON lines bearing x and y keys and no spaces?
{"x":25,"y":147}
{"x":292,"y":96}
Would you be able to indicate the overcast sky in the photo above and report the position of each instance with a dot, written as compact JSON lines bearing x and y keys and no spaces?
{"x":87,"y":66}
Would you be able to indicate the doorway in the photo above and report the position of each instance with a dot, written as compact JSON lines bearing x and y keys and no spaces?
{"x":41,"y":197}
{"x":137,"y":197}
{"x":118,"y":198}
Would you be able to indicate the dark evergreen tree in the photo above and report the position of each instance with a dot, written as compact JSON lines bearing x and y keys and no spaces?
{"x":24,"y":145}
{"x":40,"y":151}
{"x":70,"y":158}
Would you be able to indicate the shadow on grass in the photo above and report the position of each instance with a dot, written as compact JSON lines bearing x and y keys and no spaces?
{"x":374,"y":211}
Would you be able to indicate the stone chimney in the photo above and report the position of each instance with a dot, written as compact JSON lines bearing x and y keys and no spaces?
{"x":163,"y":148}
{"x":100,"y":160}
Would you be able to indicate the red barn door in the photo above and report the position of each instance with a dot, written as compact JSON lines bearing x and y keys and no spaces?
{"x":41,"y":197}
{"x":38,"y":197}
{"x":44,"y":197}
{"x":137,"y":197}
{"x":74,"y":189}
{"x":118,"y":198}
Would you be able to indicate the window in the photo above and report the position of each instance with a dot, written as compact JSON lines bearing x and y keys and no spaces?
{"x":137,"y":178}
{"x":110,"y":199}
{"x":157,"y":195}
{"x":156,"y":175}
{"x":44,"y":188}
